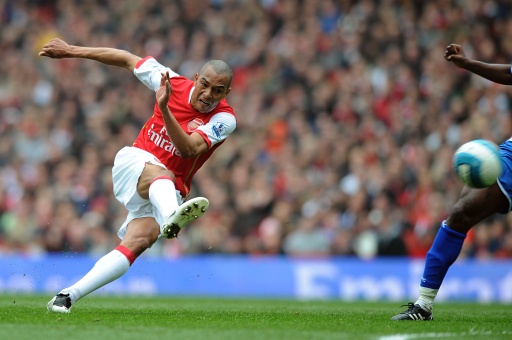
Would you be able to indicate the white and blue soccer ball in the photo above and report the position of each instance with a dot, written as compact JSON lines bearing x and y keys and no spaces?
{"x":478,"y":163}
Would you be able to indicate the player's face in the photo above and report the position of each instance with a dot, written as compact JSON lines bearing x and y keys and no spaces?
{"x":210,"y":88}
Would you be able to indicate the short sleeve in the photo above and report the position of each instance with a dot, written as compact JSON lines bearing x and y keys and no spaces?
{"x":220,"y":126}
{"x":148,"y":71}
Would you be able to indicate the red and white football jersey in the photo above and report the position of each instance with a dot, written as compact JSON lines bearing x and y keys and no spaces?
{"x":214,"y":126}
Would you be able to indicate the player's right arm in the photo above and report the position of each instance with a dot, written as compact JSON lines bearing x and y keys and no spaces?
{"x":498,"y":73}
{"x":59,"y":49}
{"x":189,"y":146}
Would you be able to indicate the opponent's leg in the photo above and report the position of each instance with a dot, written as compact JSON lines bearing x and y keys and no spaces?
{"x":473,"y":206}
{"x":443,"y":253}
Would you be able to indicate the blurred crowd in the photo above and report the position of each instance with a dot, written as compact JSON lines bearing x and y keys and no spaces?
{"x":348,"y":117}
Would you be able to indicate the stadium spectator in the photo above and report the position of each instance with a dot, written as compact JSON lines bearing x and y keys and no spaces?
{"x":347,"y":98}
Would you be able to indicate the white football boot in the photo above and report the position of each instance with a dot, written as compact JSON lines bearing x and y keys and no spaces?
{"x":184,"y":214}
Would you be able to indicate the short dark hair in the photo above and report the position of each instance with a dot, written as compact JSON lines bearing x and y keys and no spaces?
{"x":220,"y":67}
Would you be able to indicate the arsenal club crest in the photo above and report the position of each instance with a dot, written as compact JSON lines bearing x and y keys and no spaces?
{"x":194,"y":124}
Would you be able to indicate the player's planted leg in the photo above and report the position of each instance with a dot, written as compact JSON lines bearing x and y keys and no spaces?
{"x":141,"y":234}
{"x":61,"y":303}
{"x":444,"y":251}
{"x":414,"y":313}
{"x":107,"y":269}
{"x":473,"y":206}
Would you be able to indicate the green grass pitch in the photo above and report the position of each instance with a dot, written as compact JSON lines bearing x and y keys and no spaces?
{"x":98,"y":317}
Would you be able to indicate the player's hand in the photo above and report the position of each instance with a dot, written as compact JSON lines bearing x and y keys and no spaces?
{"x":455,"y":54}
{"x":56,"y":48}
{"x":164,"y":91}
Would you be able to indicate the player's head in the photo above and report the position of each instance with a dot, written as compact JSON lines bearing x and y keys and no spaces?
{"x":212,"y":84}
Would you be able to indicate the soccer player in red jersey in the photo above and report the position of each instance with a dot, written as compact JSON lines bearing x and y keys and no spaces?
{"x":191,"y":119}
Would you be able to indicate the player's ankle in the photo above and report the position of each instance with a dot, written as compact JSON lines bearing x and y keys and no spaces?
{"x":424,"y":304}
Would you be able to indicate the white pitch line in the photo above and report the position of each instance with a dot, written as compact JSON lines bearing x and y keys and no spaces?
{"x":419,"y":335}
{"x":469,"y":333}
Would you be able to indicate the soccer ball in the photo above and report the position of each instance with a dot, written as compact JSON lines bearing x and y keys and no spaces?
{"x":478,"y":163}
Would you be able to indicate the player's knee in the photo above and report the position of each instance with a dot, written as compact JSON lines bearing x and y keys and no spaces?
{"x":165,"y":173}
{"x":461,"y":218}
{"x":150,"y":173}
{"x":140,"y":237}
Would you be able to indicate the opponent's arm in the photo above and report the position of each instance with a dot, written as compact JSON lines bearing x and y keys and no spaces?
{"x":59,"y":49}
{"x":188,"y":145}
{"x":498,"y":73}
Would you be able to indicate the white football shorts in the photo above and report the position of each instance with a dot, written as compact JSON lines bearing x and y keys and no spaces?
{"x":128,"y":166}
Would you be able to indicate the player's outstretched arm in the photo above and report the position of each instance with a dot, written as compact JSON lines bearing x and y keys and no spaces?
{"x":58,"y":49}
{"x":188,"y":146}
{"x":498,"y":73}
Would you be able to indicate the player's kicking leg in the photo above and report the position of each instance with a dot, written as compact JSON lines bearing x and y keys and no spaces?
{"x":184,"y":214}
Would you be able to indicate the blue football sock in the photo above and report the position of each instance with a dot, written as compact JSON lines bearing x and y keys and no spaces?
{"x":444,"y":251}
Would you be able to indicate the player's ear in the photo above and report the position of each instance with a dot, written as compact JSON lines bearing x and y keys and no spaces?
{"x":227,"y":92}
{"x":196,"y":76}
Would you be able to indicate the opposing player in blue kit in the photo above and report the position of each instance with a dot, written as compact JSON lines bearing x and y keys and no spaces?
{"x":473,"y":205}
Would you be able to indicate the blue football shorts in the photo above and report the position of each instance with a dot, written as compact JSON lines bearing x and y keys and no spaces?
{"x":505,"y":180}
